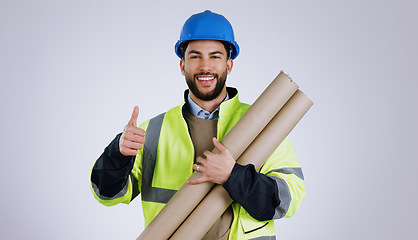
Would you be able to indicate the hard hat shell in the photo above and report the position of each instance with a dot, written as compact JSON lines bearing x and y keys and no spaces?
{"x":207,"y":25}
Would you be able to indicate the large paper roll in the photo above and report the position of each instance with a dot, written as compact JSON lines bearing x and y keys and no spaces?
{"x":237,"y":140}
{"x":217,"y":201}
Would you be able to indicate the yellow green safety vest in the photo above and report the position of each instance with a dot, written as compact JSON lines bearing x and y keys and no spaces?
{"x":166,"y":162}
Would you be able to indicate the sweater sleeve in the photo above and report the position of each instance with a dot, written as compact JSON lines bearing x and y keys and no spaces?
{"x":111,"y":172}
{"x":276,"y":191}
{"x":254,"y":191}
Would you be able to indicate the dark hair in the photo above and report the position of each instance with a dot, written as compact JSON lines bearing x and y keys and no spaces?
{"x":227,"y":45}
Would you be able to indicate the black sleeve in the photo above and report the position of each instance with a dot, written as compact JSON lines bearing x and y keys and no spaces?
{"x":111,"y":170}
{"x":254,"y":191}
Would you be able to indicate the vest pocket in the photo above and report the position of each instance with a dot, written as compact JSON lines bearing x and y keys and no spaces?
{"x":252,"y":227}
{"x":255,"y":229}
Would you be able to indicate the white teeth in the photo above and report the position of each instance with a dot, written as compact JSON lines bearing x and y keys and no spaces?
{"x":206,"y":78}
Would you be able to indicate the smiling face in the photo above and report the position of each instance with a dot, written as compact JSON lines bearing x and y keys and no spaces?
{"x":205,"y":67}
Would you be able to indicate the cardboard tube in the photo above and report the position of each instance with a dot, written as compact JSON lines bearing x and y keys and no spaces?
{"x":237,"y":140}
{"x":217,"y":201}
{"x":204,"y":216}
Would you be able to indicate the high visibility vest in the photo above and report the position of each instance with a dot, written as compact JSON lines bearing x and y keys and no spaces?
{"x":166,"y":162}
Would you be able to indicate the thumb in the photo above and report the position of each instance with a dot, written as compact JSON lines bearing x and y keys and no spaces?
{"x":221,"y":148}
{"x":134,"y":116}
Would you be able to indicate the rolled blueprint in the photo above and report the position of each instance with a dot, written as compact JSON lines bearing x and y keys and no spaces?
{"x":237,"y":140}
{"x":217,"y":201}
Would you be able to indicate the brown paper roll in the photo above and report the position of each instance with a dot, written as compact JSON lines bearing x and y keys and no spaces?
{"x":217,"y":201}
{"x":237,"y":140}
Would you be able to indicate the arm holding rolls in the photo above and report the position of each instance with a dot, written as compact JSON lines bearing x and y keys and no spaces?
{"x":263,"y":196}
{"x":267,"y":194}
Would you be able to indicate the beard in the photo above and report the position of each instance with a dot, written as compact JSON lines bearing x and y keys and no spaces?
{"x":220,"y":83}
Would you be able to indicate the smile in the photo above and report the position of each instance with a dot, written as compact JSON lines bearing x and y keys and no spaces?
{"x":205,"y":78}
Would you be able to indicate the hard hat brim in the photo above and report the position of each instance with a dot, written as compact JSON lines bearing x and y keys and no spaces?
{"x":234,"y":47}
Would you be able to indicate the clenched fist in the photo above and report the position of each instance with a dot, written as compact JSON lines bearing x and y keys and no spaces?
{"x":133,"y":137}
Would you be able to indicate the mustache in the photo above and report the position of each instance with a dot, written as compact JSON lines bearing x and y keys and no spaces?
{"x":205,"y":73}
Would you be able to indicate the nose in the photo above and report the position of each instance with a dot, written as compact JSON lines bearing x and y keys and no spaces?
{"x":205,"y":65}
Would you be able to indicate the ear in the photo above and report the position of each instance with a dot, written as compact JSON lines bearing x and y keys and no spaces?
{"x":229,"y":65}
{"x":182,"y":66}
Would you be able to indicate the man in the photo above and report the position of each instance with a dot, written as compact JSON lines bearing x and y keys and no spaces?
{"x":158,"y":157}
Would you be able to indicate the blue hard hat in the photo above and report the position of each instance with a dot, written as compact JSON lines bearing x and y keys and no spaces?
{"x":207,"y":25}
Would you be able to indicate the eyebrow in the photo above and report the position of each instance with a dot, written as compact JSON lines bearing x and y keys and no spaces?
{"x":216,"y":52}
{"x":211,"y":53}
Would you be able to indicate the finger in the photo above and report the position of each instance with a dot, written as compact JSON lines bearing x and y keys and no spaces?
{"x":134,"y":116}
{"x":201,"y":161}
{"x":128,"y":152}
{"x":221,"y":148}
{"x":133,"y":137}
{"x":207,"y":154}
{"x":197,"y":180}
{"x":134,"y":131}
{"x":139,"y":131}
{"x":133,"y":145}
{"x":197,"y":165}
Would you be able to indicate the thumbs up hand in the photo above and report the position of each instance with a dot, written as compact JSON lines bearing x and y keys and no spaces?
{"x":133,"y":137}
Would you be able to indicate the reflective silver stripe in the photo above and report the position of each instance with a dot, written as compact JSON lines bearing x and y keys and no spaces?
{"x":264,"y":238}
{"x":135,"y":189}
{"x":284,"y":196}
{"x":297,"y":171}
{"x":118,"y":195}
{"x":159,"y":195}
{"x":283,"y":190}
{"x":150,"y":193}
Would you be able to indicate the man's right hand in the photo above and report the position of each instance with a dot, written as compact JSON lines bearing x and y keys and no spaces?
{"x":133,"y":137}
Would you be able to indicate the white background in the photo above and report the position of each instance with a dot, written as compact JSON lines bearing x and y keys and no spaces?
{"x":71,"y":72}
